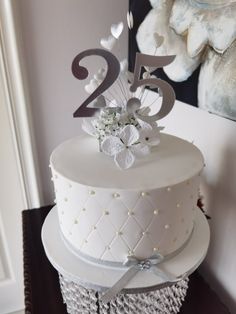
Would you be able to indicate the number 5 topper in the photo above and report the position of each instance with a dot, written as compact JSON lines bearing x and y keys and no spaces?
{"x":168,"y":94}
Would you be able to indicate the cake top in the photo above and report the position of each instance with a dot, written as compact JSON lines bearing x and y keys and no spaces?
{"x":174,"y":160}
{"x":122,"y":121}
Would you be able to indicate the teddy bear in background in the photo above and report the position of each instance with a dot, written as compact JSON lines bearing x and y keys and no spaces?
{"x":196,"y":34}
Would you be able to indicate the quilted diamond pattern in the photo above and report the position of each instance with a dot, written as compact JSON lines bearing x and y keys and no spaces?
{"x":119,"y":249}
{"x":139,"y":249}
{"x":111,"y":224}
{"x":106,"y":230}
{"x":118,"y":213}
{"x":144,"y":217}
{"x":131,"y":232}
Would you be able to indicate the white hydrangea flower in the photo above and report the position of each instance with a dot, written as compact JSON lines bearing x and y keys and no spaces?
{"x":124,"y":147}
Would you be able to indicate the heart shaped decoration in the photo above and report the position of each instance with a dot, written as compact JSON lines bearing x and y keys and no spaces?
{"x":100,"y":75}
{"x":123,"y":66}
{"x":158,"y":39}
{"x":117,"y":29}
{"x":108,"y":43}
{"x":90,"y":88}
{"x":130,"y":77}
{"x":99,"y":102}
{"x":130,"y":20}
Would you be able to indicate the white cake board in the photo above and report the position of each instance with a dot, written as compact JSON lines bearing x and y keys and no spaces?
{"x":100,"y":277}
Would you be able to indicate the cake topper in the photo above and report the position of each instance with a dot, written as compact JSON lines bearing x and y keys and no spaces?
{"x":122,"y":123}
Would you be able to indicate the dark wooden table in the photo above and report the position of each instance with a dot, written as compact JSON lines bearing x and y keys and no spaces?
{"x":42,"y":290}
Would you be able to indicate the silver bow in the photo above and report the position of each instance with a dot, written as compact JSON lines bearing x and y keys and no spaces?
{"x":135,"y":265}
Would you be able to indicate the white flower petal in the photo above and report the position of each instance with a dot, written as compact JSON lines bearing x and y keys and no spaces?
{"x":112,"y":145}
{"x":153,"y":141}
{"x":140,"y":150}
{"x":124,"y":159}
{"x":88,"y":127}
{"x":149,"y":137}
{"x":144,"y":125}
{"x":129,"y":135}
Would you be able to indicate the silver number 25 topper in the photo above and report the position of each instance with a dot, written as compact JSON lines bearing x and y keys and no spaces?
{"x":113,"y":70}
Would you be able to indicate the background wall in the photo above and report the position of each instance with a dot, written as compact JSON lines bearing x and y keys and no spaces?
{"x":53,"y":32}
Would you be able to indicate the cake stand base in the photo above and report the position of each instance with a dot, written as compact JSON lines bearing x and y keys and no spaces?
{"x":82,"y":283}
{"x":80,"y":300}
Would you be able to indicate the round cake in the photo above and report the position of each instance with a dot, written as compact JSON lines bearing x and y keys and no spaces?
{"x":107,"y":214}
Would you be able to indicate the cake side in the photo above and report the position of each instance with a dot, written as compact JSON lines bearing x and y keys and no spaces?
{"x":140,"y":216}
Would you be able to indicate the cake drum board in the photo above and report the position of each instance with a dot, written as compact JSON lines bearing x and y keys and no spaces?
{"x":99,"y":277}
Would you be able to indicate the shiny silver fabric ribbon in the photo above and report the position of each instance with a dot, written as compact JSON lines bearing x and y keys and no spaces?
{"x":135,"y":265}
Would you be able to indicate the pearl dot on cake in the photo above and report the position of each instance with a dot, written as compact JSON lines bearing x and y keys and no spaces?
{"x":131,"y":252}
{"x":130,"y":213}
{"x":91,"y":192}
{"x":108,"y":247}
{"x":144,"y":194}
{"x":106,"y":212}
{"x":168,"y":189}
{"x":116,"y":195}
{"x":155,"y":249}
{"x":178,"y":205}
{"x":167,"y":226}
{"x":119,"y":233}
{"x":156,"y":212}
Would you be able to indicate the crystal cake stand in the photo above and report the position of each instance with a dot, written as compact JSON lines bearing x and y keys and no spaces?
{"x":82,"y":283}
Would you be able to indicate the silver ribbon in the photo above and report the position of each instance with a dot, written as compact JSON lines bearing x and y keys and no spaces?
{"x":135,"y":265}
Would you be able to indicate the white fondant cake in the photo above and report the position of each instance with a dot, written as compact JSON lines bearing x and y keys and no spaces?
{"x":107,"y":213}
